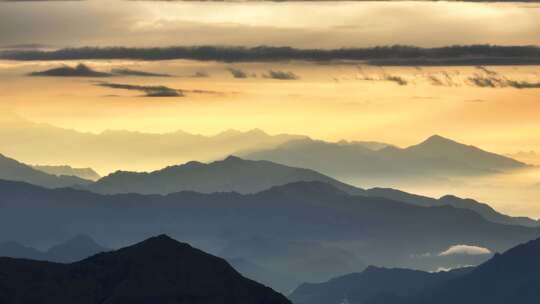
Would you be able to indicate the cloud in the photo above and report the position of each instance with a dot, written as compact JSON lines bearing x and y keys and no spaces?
{"x":447,"y":269}
{"x":387,"y":55}
{"x":200,"y":74}
{"x":281,"y":75}
{"x":237,"y":73}
{"x":465,"y":250}
{"x":130,"y":72}
{"x":25,"y":46}
{"x":80,"y":70}
{"x":156,"y":91}
{"x":486,"y":70}
{"x":501,"y":82}
{"x":397,"y":79}
{"x":150,"y":91}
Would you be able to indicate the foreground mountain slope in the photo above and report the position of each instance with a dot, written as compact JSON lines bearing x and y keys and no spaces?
{"x":158,"y":270}
{"x":511,"y":277}
{"x":228,"y":175}
{"x":380,"y":231}
{"x":11,"y":169}
{"x":372,"y":284}
{"x":435,"y":157}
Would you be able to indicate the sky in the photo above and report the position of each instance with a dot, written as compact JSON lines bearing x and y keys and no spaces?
{"x":331,"y":101}
{"x":493,"y":107}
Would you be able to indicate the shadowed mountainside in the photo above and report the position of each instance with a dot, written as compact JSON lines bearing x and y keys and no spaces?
{"x":484,"y":210}
{"x":294,"y":261}
{"x":232,"y":174}
{"x":13,"y":170}
{"x":511,"y":277}
{"x":158,"y":270}
{"x":246,"y":176}
{"x":377,"y":230}
{"x":371,"y":284}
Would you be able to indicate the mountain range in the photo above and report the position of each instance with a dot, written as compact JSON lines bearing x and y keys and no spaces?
{"x":284,"y":264}
{"x":372,"y":284}
{"x":232,"y":174}
{"x":511,"y":277}
{"x":436,"y":157}
{"x":13,"y":170}
{"x":84,"y":173}
{"x":111,"y":150}
{"x":248,"y":176}
{"x":72,"y":250}
{"x":376,"y":230}
{"x":158,"y":270}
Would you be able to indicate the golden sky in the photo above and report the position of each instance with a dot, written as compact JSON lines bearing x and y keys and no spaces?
{"x":330,"y":102}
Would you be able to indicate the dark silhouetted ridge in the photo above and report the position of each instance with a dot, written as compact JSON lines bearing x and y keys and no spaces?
{"x":158,"y":270}
{"x":372,"y":284}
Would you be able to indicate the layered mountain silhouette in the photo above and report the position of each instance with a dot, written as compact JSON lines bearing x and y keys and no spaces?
{"x":437,"y":156}
{"x":283,"y":283}
{"x":297,"y":261}
{"x":481,"y":208}
{"x":126,"y":150}
{"x":511,"y":277}
{"x":232,"y":174}
{"x":247,"y":176}
{"x":13,"y":170}
{"x":84,"y":173}
{"x":158,"y":270}
{"x":373,"y":285}
{"x":377,"y":230}
{"x":74,"y":249}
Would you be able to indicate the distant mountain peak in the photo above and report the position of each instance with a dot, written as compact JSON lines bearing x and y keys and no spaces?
{"x":438,"y":139}
{"x":161,"y":242}
{"x":233,"y":158}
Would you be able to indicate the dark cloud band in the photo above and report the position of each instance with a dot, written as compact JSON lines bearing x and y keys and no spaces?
{"x":390,"y":55}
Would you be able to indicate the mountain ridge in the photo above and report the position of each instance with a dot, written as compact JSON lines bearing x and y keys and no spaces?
{"x":158,"y":269}
{"x":434,"y":157}
{"x":14,"y":170}
{"x":231,"y":174}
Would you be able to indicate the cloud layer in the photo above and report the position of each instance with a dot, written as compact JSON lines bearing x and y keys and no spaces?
{"x":397,"y":55}
{"x":80,"y":70}
{"x":149,"y":91}
{"x":465,"y":250}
